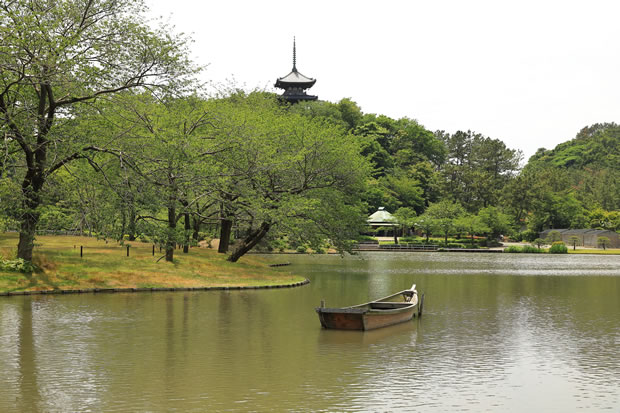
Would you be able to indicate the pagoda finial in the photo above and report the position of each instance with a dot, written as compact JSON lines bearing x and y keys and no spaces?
{"x":294,"y":55}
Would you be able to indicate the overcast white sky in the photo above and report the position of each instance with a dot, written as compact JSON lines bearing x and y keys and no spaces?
{"x":531,"y":73}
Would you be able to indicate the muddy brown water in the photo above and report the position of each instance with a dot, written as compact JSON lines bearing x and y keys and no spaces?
{"x":500,"y":333}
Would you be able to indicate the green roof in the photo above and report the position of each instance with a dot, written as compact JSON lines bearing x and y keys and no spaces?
{"x":381,"y":217}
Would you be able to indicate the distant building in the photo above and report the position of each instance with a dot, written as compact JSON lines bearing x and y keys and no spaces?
{"x":383,"y":219}
{"x":295,"y":84}
{"x":587,"y":237}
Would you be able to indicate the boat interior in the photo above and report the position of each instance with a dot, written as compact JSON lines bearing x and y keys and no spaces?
{"x":388,"y":305}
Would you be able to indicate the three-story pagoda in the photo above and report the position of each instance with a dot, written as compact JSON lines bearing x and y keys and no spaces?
{"x":295,"y":84}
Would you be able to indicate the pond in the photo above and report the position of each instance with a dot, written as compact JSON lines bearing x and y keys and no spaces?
{"x":500,"y":333}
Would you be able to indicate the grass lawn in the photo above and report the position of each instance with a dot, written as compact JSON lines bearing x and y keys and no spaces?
{"x":107,"y":266}
{"x":608,"y":251}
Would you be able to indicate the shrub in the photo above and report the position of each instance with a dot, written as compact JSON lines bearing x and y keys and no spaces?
{"x":525,"y":249}
{"x":455,"y":245}
{"x":17,"y":265}
{"x":529,"y":235}
{"x":558,"y":247}
{"x":301,"y":249}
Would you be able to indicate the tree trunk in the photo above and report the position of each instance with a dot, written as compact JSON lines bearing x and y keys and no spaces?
{"x":188,"y":227}
{"x":250,"y":241}
{"x":395,"y":236}
{"x":30,"y":189}
{"x":123,"y":224}
{"x":196,"y":228}
{"x":131,"y":226}
{"x":171,"y":238}
{"x":225,"y":236}
{"x":26,"y":236}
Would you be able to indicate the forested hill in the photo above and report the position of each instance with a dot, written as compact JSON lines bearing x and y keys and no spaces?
{"x":574,"y":185}
{"x":596,"y":146}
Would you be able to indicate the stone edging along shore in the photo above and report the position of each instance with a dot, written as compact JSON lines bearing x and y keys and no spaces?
{"x":154,"y":289}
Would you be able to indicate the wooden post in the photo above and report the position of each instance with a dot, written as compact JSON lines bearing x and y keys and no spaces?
{"x":421,"y":306}
{"x":128,"y":250}
{"x":81,"y":250}
{"x":153,"y":250}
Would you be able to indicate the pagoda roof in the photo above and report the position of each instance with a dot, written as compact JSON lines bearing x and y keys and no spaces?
{"x":295,"y":79}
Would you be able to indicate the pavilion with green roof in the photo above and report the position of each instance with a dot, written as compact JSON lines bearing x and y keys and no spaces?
{"x":382,"y":219}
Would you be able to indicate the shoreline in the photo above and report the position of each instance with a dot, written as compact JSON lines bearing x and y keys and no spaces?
{"x":151,"y":290}
{"x":80,"y":265}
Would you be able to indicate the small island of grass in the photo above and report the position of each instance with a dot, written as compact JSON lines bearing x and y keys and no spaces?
{"x":59,"y":267}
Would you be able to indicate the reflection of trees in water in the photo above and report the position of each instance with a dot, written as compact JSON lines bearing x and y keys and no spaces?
{"x":29,"y":390}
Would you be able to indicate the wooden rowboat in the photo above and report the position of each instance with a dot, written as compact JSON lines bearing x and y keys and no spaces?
{"x":396,"y":308}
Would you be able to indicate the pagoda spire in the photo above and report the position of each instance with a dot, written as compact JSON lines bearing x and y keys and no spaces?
{"x":294,"y":55}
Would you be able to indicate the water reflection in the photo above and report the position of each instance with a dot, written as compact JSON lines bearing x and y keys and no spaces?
{"x":499,"y":333}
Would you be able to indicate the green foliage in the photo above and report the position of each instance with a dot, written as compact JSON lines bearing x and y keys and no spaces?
{"x":17,"y":265}
{"x":524,"y":249}
{"x":554,"y":236}
{"x":471,"y":224}
{"x":61,"y":58}
{"x":540,"y":242}
{"x":528,"y":235}
{"x":603,"y":242}
{"x":597,"y":145}
{"x":574,"y":185}
{"x":441,"y":217}
{"x":405,"y":217}
{"x":558,"y":247}
{"x":574,"y":241}
{"x":496,"y":221}
{"x":477,"y":168}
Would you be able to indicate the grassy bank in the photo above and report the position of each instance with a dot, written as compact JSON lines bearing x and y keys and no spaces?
{"x":106,"y":265}
{"x":608,"y":251}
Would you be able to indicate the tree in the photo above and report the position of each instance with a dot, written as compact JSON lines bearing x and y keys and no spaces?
{"x":405,"y":217}
{"x":426,"y":224}
{"x":295,"y":174}
{"x":477,"y":168}
{"x":603,"y":242}
{"x":168,"y":141}
{"x":574,"y":240}
{"x":58,"y":55}
{"x":553,"y":236}
{"x":472,"y":224}
{"x":444,"y":214}
{"x":496,"y":221}
{"x":350,"y":112}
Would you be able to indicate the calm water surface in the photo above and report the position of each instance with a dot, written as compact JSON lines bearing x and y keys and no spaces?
{"x":500,"y":333}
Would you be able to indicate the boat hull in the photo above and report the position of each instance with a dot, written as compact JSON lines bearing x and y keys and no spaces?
{"x":364,"y":319}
